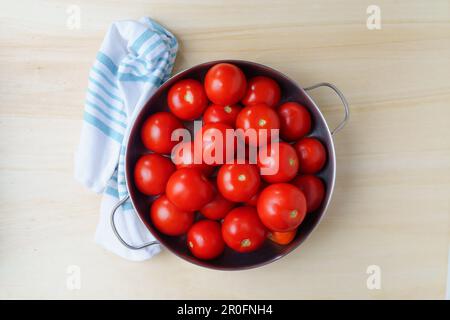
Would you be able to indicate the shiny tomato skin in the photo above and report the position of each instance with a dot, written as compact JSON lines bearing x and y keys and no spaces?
{"x":312,"y":155}
{"x":187,"y":99}
{"x":254,"y":199}
{"x":204,"y":239}
{"x":257,"y":117}
{"x":282,"y":238}
{"x":281,"y":159}
{"x":168,"y":219}
{"x":189,"y":189}
{"x":242,"y":230}
{"x":225,"y":84}
{"x":281,"y":207}
{"x":157,"y":131}
{"x":218,"y":208}
{"x":207,"y":143}
{"x":183,"y":157}
{"x":238,"y":182}
{"x":151,"y":173}
{"x":314,"y":190}
{"x":295,"y":121}
{"x":221,"y":114}
{"x":262,"y":89}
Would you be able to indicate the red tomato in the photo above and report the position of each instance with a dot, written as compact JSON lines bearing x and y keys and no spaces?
{"x":262,"y":90}
{"x":168,"y":219}
{"x":282,"y":238}
{"x":187,"y":99}
{"x":258,"y":117}
{"x":242,"y":230}
{"x":281,"y":207}
{"x":157,"y":131}
{"x":183,"y":157}
{"x":280,"y":161}
{"x":313,"y":189}
{"x":151,"y":173}
{"x":225,"y":84}
{"x":238,"y":182}
{"x":295,"y":121}
{"x":205,"y":239}
{"x":212,"y":140}
{"x":311,"y":155}
{"x":254,"y":200}
{"x":223,"y":114}
{"x":218,"y":208}
{"x":189,"y":189}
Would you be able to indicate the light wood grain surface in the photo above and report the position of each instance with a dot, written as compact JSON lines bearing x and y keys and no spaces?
{"x":391,"y":203}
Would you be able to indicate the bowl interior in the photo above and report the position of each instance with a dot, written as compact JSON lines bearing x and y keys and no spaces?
{"x":231,"y":260}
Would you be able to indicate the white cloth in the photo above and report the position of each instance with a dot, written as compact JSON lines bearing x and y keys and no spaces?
{"x":135,"y":58}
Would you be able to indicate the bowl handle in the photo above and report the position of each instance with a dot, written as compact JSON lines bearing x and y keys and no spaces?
{"x":344,"y":102}
{"x":119,"y":237}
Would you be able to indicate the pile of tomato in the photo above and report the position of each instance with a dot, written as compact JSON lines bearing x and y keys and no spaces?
{"x":230,"y":203}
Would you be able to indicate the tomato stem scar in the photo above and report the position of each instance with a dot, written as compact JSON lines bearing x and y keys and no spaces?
{"x":245,"y":243}
{"x":242,"y":177}
{"x":293,"y":213}
{"x":262,"y":122}
{"x":227,"y":109}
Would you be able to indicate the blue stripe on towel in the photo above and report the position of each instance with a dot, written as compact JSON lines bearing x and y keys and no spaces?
{"x":105,"y":114}
{"x":106,"y":103}
{"x":107,"y":62}
{"x":141,"y":39}
{"x":104,"y":76}
{"x":105,"y":90}
{"x":89,"y":118}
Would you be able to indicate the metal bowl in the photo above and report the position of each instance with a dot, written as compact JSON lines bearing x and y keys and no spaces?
{"x":232,"y":260}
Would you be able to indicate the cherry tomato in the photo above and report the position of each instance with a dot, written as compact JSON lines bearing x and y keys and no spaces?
{"x":282,"y":238}
{"x":254,"y":200}
{"x":262,"y":90}
{"x":311,"y":155}
{"x":204,"y":239}
{"x":238,"y":182}
{"x":187,"y":99}
{"x":223,"y":114}
{"x":242,"y":230}
{"x":225,"y":84}
{"x":212,"y":140}
{"x":183,"y":157}
{"x":168,"y":219}
{"x":189,"y":189}
{"x":258,"y":117}
{"x":151,"y":173}
{"x":157,"y":131}
{"x":295,"y":121}
{"x":281,"y":207}
{"x":313,"y":189}
{"x":279,"y":160}
{"x":218,"y":208}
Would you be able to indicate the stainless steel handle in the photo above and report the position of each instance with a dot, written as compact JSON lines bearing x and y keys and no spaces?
{"x":344,"y":102}
{"x":113,"y":225}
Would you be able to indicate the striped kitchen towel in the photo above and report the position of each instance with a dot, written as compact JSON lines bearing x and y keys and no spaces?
{"x":135,"y":58}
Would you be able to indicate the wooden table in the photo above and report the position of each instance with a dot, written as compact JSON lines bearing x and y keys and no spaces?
{"x":391,"y":204}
